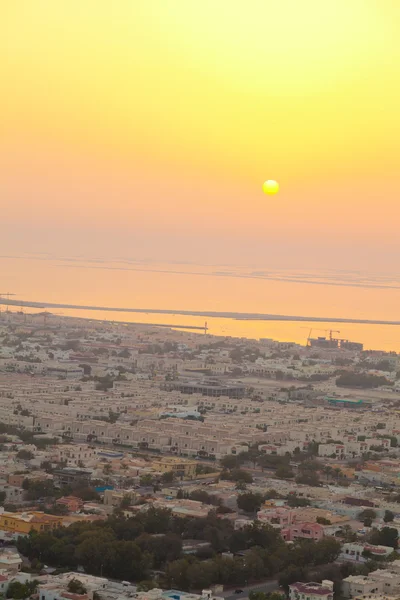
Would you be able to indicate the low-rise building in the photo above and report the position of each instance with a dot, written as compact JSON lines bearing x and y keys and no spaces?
{"x":355,"y":551}
{"x":311,"y":591}
{"x":381,"y":581}
{"x":25,"y":522}
{"x":115,"y":497}
{"x":180,"y":467}
{"x":68,"y":476}
{"x":306,"y":531}
{"x":73,"y":503}
{"x":10,"y":561}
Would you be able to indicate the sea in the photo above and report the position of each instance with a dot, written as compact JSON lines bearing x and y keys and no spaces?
{"x":147,"y":284}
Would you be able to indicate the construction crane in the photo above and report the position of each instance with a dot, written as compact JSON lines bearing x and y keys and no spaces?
{"x":309,"y":335}
{"x":330,"y":331}
{"x":45,"y":314}
{"x":22,"y":313}
{"x":8,"y":294}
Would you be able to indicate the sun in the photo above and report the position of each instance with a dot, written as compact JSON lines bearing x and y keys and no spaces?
{"x":270,"y":187}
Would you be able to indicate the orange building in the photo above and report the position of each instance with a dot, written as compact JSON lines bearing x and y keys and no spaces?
{"x":28,"y":521}
{"x":73,"y":503}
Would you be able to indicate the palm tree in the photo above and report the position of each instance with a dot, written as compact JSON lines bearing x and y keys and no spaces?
{"x":328,"y":472}
{"x":338,"y":473}
{"x":107,"y":469}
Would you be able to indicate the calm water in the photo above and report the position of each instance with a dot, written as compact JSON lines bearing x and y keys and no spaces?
{"x":129,"y":283}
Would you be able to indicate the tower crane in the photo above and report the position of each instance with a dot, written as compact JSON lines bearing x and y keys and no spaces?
{"x":8,"y":294}
{"x":45,"y":314}
{"x":330,"y":331}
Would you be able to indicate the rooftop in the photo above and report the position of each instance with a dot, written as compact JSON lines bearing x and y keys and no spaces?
{"x":311,"y":588}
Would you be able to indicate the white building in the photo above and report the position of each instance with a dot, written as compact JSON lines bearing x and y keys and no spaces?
{"x":311,"y":591}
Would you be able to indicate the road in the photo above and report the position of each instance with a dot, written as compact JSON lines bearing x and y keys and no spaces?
{"x":267,"y":586}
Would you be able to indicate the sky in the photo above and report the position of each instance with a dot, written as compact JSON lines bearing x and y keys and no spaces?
{"x":145,"y":128}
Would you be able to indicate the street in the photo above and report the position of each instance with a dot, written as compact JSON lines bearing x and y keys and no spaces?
{"x":267,"y":586}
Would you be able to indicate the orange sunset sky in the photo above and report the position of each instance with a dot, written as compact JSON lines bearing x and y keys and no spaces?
{"x":147,"y":127}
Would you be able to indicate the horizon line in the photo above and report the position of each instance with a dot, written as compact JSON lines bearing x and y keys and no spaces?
{"x":211,"y":314}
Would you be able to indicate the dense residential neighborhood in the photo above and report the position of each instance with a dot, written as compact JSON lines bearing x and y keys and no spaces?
{"x":137,"y":461}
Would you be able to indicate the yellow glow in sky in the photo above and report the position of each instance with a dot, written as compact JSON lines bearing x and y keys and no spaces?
{"x":147,"y":113}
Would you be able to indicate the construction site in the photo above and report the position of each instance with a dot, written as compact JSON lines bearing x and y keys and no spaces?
{"x":329,"y":341}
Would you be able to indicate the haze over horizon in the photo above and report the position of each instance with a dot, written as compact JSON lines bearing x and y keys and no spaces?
{"x":144,"y":131}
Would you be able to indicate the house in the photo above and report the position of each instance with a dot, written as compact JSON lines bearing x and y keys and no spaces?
{"x":380,"y":581}
{"x":68,"y":476}
{"x":25,"y":522}
{"x":279,"y":516}
{"x":311,"y":591}
{"x":180,"y":467}
{"x":10,"y":561}
{"x":354,"y":551}
{"x":307,"y":531}
{"x":115,"y":497}
{"x":73,"y":503}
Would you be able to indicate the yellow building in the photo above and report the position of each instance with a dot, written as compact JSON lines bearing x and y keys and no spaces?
{"x":180,"y":467}
{"x":28,"y":521}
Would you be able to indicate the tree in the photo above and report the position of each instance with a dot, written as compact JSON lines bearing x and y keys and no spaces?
{"x":229,"y":461}
{"x":158,"y":520}
{"x":284,"y":472}
{"x":276,"y":596}
{"x":146,"y":585}
{"x":323,"y":521}
{"x":308,"y":479}
{"x":131,"y":547}
{"x":163,"y":548}
{"x":168,"y":477}
{"x":347,"y":534}
{"x":126,"y":501}
{"x":76,"y":587}
{"x":367,"y":513}
{"x":146,"y":480}
{"x":25,"y":455}
{"x":38,"y":489}
{"x":292,"y":574}
{"x":338,"y":473}
{"x":313,"y":448}
{"x":249,"y":502}
{"x":387,"y":536}
{"x":327,"y":550}
{"x":361,"y":380}
{"x":201,"y":574}
{"x":107,"y":469}
{"x":389,"y":516}
{"x":257,"y":595}
{"x":177,"y":573}
{"x":85,"y":493}
{"x":20,"y":591}
{"x":295,"y":501}
{"x":200,"y":496}
{"x":46,"y":466}
{"x":237,"y":475}
{"x":241,"y":486}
